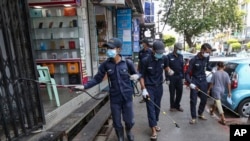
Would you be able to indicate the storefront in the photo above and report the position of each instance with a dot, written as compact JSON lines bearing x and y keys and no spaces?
{"x":58,"y":30}
{"x":114,"y":19}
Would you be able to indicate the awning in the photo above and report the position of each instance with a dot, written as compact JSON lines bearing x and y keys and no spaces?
{"x":138,"y":6}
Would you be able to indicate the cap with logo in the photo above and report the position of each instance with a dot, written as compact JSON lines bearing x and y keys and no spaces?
{"x":113,"y":43}
{"x":178,"y":46}
{"x":158,"y":47}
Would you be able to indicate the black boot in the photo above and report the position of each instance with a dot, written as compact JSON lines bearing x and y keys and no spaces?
{"x":120,"y":134}
{"x":130,"y":136}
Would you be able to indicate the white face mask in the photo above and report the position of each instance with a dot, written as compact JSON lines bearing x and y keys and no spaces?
{"x":141,"y":46}
{"x":179,"y":51}
{"x":205,"y":54}
{"x":111,"y":53}
{"x":158,"y":55}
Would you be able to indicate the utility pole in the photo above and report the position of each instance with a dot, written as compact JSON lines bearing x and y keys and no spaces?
{"x":184,"y":40}
{"x":158,"y":13}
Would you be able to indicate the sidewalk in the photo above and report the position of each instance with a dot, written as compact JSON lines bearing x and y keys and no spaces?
{"x":208,"y":130}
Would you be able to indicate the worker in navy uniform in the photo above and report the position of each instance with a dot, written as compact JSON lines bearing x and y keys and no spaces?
{"x":151,"y":80}
{"x":120,"y":72}
{"x":175,"y":61}
{"x":196,"y":77}
{"x":144,"y":52}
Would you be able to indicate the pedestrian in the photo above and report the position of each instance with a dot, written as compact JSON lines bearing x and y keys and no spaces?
{"x":152,"y":85}
{"x":209,"y":77}
{"x":196,"y":77}
{"x":219,"y":81}
{"x":120,"y":72}
{"x":175,"y":61}
{"x":144,"y":52}
{"x":186,"y":64}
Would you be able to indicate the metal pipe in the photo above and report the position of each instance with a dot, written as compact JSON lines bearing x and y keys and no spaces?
{"x":216,"y":99}
{"x":165,"y":113}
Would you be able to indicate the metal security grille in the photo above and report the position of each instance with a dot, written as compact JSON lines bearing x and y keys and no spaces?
{"x":21,"y":110}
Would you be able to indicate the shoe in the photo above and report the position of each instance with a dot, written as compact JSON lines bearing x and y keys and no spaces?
{"x":202,"y":117}
{"x":142,"y":101}
{"x":154,"y":137}
{"x":180,"y":109}
{"x":130,"y":136}
{"x":223,"y":122}
{"x":172,"y":109}
{"x":157,"y":128}
{"x":37,"y":131}
{"x":192,"y":121}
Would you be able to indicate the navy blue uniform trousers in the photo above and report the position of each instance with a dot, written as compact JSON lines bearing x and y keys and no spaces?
{"x":118,"y":110}
{"x":155,"y":94}
{"x":175,"y":89}
{"x":194,"y":94}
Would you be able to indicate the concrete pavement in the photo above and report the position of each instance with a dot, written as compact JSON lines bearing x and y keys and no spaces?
{"x":208,"y":130}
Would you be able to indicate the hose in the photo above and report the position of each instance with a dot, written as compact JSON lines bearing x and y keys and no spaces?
{"x":70,"y":87}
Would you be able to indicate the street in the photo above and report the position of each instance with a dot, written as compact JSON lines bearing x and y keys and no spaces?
{"x":201,"y":131}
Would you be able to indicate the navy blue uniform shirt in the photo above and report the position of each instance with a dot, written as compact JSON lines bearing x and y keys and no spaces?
{"x":152,"y":70}
{"x":144,"y":53}
{"x":119,"y":79}
{"x":176,"y":63}
{"x":197,"y":67}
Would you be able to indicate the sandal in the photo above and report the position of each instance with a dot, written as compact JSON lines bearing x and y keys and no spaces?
{"x":192,"y":121}
{"x":142,"y":101}
{"x":202,"y":117}
{"x":153,"y":137}
{"x":223,"y":122}
{"x":211,"y":112}
{"x":157,"y":128}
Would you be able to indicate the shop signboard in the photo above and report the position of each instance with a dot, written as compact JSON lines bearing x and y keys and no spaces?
{"x":124,"y":26}
{"x":112,"y":2}
{"x":147,"y":30}
{"x":136,"y":35}
{"x":53,"y":2}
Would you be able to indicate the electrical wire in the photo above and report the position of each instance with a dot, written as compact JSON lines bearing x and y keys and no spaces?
{"x":167,"y":14}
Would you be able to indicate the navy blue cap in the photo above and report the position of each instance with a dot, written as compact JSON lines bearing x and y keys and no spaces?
{"x":113,"y":43}
{"x":158,"y":47}
{"x":144,"y":40}
{"x":178,"y":46}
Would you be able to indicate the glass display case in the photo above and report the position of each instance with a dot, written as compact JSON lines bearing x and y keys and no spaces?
{"x":57,"y":35}
{"x":101,"y":28}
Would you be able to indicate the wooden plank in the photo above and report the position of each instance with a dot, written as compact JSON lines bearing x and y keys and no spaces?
{"x":89,"y":132}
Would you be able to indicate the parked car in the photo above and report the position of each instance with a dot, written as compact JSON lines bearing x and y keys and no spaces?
{"x":239,"y":72}
{"x":187,"y":56}
{"x":213,"y":64}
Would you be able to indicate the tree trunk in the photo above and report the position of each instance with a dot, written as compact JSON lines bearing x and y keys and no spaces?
{"x":188,"y":39}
